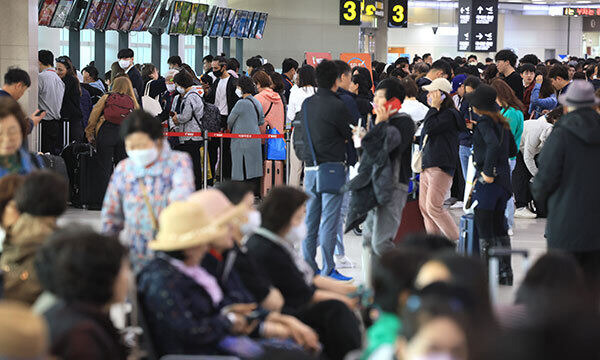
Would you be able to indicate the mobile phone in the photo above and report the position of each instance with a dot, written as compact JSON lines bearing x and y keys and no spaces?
{"x":393,"y":103}
{"x":39,"y":112}
{"x":259,"y":314}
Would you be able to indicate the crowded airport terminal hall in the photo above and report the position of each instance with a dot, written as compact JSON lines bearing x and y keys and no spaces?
{"x":299,"y":179}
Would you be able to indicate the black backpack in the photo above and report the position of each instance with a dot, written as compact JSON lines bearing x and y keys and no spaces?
{"x":299,"y":139}
{"x":211,"y":120}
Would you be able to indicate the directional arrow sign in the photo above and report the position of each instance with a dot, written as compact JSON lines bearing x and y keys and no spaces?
{"x":479,"y":9}
{"x":467,"y":36}
{"x":479,"y":36}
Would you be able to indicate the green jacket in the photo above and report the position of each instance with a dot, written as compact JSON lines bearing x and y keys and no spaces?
{"x":382,"y":334}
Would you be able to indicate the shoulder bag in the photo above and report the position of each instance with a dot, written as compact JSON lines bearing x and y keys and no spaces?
{"x":150,"y":105}
{"x":331,"y":176}
{"x":417,"y":157}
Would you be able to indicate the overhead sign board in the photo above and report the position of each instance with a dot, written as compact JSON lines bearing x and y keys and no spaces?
{"x":477,"y":25}
{"x":398,"y":13}
{"x":581,"y":11}
{"x":350,"y":12}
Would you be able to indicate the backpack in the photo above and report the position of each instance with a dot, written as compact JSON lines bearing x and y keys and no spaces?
{"x":211,"y":120}
{"x":117,"y":108}
{"x":299,"y":138}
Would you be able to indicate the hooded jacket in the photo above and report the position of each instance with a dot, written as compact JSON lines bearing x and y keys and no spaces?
{"x":567,"y":182}
{"x":275,"y":117}
{"x":535,"y":134}
{"x":442,"y":129}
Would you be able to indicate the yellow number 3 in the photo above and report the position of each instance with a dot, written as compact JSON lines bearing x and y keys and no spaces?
{"x":351,"y":13}
{"x":399,"y":13}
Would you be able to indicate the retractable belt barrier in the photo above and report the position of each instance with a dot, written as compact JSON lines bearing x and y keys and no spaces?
{"x":226,"y":135}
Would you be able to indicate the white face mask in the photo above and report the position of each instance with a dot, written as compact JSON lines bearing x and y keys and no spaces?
{"x":180,"y":90}
{"x":297,"y":234}
{"x":144,"y":157}
{"x":171,"y":87}
{"x":254,"y":221}
{"x":295,"y":79}
{"x":124,"y":64}
{"x":239,"y":92}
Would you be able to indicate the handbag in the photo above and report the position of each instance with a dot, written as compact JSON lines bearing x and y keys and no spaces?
{"x":331,"y":176}
{"x":275,"y":147}
{"x":150,"y":105}
{"x":417,"y":157}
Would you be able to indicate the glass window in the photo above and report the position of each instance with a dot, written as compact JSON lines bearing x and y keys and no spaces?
{"x":64,"y":42}
{"x":87,"y":47}
{"x":164,"y":53}
{"x":141,"y":44}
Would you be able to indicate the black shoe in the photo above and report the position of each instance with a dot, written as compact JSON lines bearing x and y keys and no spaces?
{"x":506,"y":274}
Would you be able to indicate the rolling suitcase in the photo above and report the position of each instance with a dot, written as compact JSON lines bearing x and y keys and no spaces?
{"x":468,"y":241}
{"x":266,"y":182}
{"x":56,"y":164}
{"x":412,"y":220}
{"x":278,"y":171}
{"x":87,"y":190}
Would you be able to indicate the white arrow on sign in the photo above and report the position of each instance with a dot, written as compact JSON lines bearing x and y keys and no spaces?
{"x":464,"y":10}
{"x":467,"y":36}
{"x":479,"y":9}
{"x":479,"y":36}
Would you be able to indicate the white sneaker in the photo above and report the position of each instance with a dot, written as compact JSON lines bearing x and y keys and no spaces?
{"x":524,"y":213}
{"x":510,"y":232}
{"x":343,"y":262}
{"x":458,"y":205}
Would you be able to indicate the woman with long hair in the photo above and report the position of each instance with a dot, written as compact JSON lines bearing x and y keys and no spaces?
{"x":512,"y":110}
{"x":493,"y":144}
{"x":439,"y":141}
{"x":105,"y":124}
{"x":71,"y":106}
{"x":543,"y":97}
{"x":305,"y":87}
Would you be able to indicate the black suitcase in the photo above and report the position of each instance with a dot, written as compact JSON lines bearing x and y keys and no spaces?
{"x":85,"y":176}
{"x":56,"y":164}
{"x":468,"y":241}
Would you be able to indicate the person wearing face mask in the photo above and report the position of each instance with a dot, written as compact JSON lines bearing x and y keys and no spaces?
{"x":186,"y":116}
{"x":126,"y":63}
{"x":245,"y":118}
{"x":439,"y":143}
{"x":222,"y":95}
{"x":289,"y":70}
{"x":166,"y":98}
{"x":152,"y":177}
{"x":317,"y":301}
{"x":105,"y":123}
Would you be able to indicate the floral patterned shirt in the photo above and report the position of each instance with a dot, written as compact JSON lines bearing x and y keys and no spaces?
{"x":124,"y":211}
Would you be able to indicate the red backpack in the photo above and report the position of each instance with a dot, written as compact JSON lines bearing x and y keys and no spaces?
{"x":117,"y":108}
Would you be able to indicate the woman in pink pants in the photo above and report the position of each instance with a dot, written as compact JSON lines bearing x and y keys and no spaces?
{"x":440,"y":158}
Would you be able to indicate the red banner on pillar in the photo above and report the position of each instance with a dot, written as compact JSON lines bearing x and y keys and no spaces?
{"x":314,"y":58}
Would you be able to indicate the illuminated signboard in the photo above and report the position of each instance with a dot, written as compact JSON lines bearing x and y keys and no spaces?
{"x":581,"y":12}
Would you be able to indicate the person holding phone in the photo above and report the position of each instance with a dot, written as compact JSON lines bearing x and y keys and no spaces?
{"x":439,"y":141}
{"x":493,"y":144}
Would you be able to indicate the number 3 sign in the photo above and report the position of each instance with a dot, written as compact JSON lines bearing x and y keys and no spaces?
{"x":398,"y":13}
{"x":350,"y":12}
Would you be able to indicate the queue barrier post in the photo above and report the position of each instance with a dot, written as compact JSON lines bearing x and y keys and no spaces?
{"x":206,"y":163}
{"x":221,"y":161}
{"x":288,"y":143}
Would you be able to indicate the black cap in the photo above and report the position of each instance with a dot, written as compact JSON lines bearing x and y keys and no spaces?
{"x":483,"y":98}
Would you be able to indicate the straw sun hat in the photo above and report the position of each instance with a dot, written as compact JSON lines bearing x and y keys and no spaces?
{"x":187,"y":224}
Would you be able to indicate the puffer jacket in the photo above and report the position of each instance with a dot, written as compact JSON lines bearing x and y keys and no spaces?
{"x":189,"y":109}
{"x":23,"y":240}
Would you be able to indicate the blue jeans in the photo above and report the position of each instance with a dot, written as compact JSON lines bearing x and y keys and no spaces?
{"x":463,"y":153}
{"x":322,"y":218}
{"x":509,"y":213}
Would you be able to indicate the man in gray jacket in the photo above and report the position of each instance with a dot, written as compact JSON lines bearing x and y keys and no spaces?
{"x":50,"y":97}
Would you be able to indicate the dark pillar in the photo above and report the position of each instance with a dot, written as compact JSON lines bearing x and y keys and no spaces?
{"x":239,"y":52}
{"x":100,"y":52}
{"x":199,"y":55}
{"x":213,"y":46}
{"x":123,"y":40}
{"x":74,"y":47}
{"x":227,"y":47}
{"x":173,"y":45}
{"x":156,"y":51}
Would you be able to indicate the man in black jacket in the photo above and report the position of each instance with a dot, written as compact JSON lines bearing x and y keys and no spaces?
{"x":439,"y":69}
{"x":222,"y":95}
{"x":506,"y":60}
{"x":567,"y":181}
{"x":126,"y":62}
{"x":328,"y":124}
